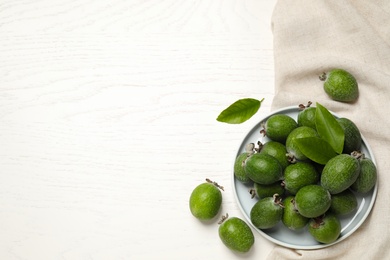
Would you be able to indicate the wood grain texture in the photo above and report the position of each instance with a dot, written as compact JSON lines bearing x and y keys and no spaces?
{"x":107,"y":123}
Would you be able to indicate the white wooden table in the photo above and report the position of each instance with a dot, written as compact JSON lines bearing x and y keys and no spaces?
{"x":108,"y":121}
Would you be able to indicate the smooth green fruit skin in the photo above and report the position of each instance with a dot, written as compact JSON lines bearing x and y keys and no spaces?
{"x":291,"y":217}
{"x":205,"y":201}
{"x":299,"y":132}
{"x":279,"y":126}
{"x":367,"y":177}
{"x":340,"y":173}
{"x":343,"y":203}
{"x":353,"y":138}
{"x":328,"y":231}
{"x":263,"y":191}
{"x":266,"y":213}
{"x":236,"y":235}
{"x":298,"y":175}
{"x":312,"y":201}
{"x":239,"y":171}
{"x":277,"y":150}
{"x":307,"y":117}
{"x":263,"y":168}
{"x":342,"y":86}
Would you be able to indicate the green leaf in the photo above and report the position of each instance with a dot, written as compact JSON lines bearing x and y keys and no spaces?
{"x":329,"y":129}
{"x":240,"y":111}
{"x":316,"y":149}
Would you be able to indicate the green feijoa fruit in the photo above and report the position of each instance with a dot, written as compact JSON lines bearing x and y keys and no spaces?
{"x":312,"y":201}
{"x":206,"y":200}
{"x":343,"y":203}
{"x":239,"y":171}
{"x":277,"y":150}
{"x":291,"y":145}
{"x":279,"y":126}
{"x":367,"y":177}
{"x":340,"y":173}
{"x":236,"y":234}
{"x":292,"y":219}
{"x":298,"y":175}
{"x":263,"y":168}
{"x":352,"y":136}
{"x":267,"y":212}
{"x":307,"y":117}
{"x":340,"y":85}
{"x":325,"y":229}
{"x":263,"y":191}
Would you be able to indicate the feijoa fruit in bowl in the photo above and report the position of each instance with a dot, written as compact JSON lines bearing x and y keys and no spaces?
{"x":292,"y":147}
{"x":325,"y":229}
{"x":328,"y":190}
{"x":263,"y":168}
{"x":292,"y":219}
{"x":279,"y":126}
{"x":312,"y":201}
{"x":367,"y":178}
{"x":299,"y":175}
{"x":267,"y":212}
{"x":307,"y":116}
{"x":340,"y":173}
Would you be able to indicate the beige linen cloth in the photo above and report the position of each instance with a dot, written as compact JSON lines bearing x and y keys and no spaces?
{"x":311,"y":37}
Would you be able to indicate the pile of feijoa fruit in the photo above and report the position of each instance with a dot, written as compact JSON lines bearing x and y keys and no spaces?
{"x":308,"y":172}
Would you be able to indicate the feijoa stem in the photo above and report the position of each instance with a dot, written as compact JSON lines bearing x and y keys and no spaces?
{"x":215,"y":184}
{"x":252,"y":192}
{"x":291,"y":158}
{"x":318,"y":221}
{"x":223,"y":218}
{"x":260,"y":146}
{"x":358,"y":155}
{"x":302,"y":106}
{"x":294,"y":204}
{"x":322,"y":77}
{"x":251,"y":148}
{"x":278,"y":200}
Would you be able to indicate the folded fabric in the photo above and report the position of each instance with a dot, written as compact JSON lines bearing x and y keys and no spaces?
{"x":312,"y":37}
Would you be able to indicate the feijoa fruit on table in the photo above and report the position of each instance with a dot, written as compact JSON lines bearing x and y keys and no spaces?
{"x":340,"y":85}
{"x":206,"y":200}
{"x":236,"y":234}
